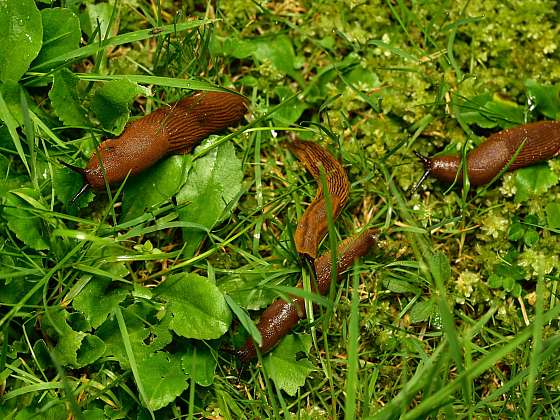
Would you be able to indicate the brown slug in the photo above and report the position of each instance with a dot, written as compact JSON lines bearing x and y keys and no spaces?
{"x":174,"y":129}
{"x":281,"y":316}
{"x":533,"y":143}
{"x":313,"y":226}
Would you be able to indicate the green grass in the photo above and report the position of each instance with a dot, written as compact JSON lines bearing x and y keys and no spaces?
{"x":454,"y":315}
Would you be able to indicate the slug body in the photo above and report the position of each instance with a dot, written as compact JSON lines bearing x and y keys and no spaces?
{"x":281,"y":316}
{"x":533,"y":142}
{"x":176,"y":128}
{"x":313,"y":225}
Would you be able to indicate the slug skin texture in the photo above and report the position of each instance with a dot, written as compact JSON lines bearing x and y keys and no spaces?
{"x":176,"y":128}
{"x":534,"y":142}
{"x":281,"y":316}
{"x":313,"y":225}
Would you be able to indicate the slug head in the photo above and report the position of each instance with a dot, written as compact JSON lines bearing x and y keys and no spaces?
{"x":112,"y":161}
{"x":444,"y":168}
{"x":109,"y":153}
{"x":139,"y":147}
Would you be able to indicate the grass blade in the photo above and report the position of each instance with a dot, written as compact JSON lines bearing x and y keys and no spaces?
{"x":350,"y":406}
{"x":131,"y":358}
{"x":126,"y":38}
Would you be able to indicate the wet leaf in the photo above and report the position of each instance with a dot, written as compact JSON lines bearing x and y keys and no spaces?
{"x":112,"y":101}
{"x":288,"y":373}
{"x":162,"y":378}
{"x":21,"y":31}
{"x":65,"y":99}
{"x":197,"y":307}
{"x":533,"y":180}
{"x":212,"y":187}
{"x":61,"y":33}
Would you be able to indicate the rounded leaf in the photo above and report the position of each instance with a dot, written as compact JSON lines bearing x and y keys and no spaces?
{"x":21,"y":31}
{"x":197,"y":307}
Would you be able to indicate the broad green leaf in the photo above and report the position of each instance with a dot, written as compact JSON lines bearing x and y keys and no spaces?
{"x":244,"y":289}
{"x":197,"y":307}
{"x":276,"y":50}
{"x":213,"y":185}
{"x":508,"y":283}
{"x":231,"y":46}
{"x":162,"y":378}
{"x":28,"y":227}
{"x":199,"y":363}
{"x":533,"y":180}
{"x":91,"y":349}
{"x":440,"y":268}
{"x":21,"y":32}
{"x":49,"y":411}
{"x":531,"y":237}
{"x":65,"y":99}
{"x":291,"y":112}
{"x":546,"y":98}
{"x":495,"y":281}
{"x":516,"y":291}
{"x":470,"y":110}
{"x":147,"y":333}
{"x":516,"y":231}
{"x":94,"y":13}
{"x":553,"y":215}
{"x":279,"y":51}
{"x":489,"y":111}
{"x":154,"y":186}
{"x":422,"y":311}
{"x":94,"y":414}
{"x":11,"y":92}
{"x":98,"y":299}
{"x":12,"y":291}
{"x":400,"y":286}
{"x":111,"y":103}
{"x":509,"y":270}
{"x":61,"y":33}
{"x":67,"y":183}
{"x":506,"y":113}
{"x":288,"y":373}
{"x":68,"y":341}
{"x":362,"y":76}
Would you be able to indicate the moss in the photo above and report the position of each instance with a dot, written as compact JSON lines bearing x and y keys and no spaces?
{"x":373,"y":97}
{"x":465,"y":285}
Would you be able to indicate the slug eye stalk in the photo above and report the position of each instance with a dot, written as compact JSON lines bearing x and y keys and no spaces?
{"x":80,"y":171}
{"x":427,"y":170}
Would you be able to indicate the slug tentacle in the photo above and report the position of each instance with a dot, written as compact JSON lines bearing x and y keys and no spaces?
{"x":427,"y":170}
{"x":84,"y":188}
{"x":281,"y":316}
{"x":517,"y":147}
{"x":77,"y":169}
{"x":83,"y":173}
{"x":313,"y":226}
